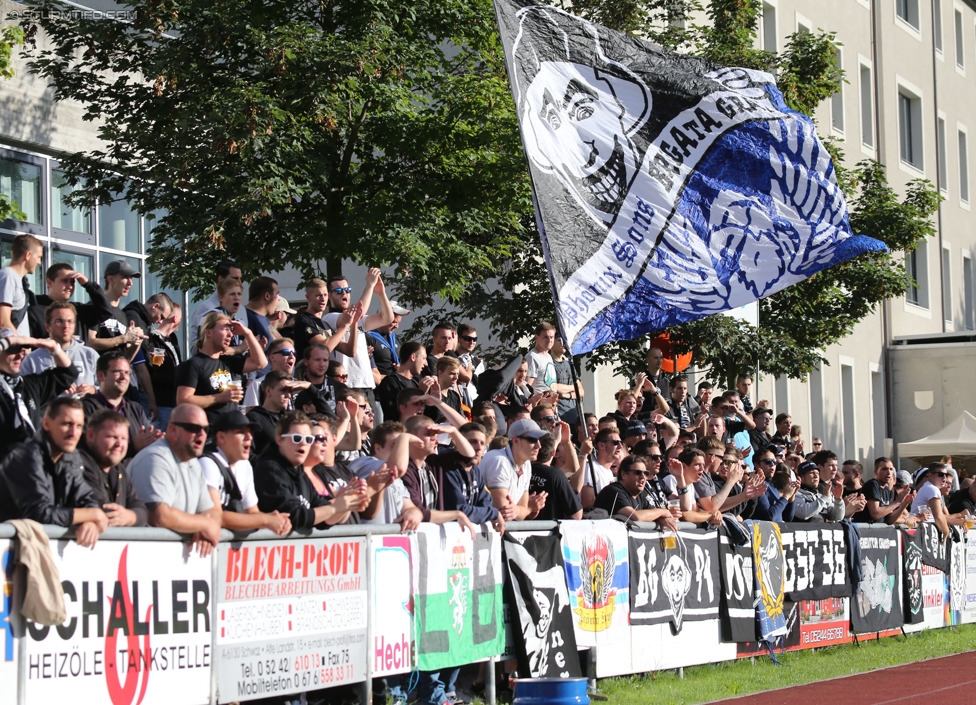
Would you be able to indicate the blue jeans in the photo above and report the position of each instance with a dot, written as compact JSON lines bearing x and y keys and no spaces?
{"x":432,"y":690}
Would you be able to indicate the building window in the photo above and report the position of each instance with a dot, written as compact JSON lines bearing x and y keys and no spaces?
{"x":969,"y":294}
{"x":916,"y":262}
{"x":768,"y":30}
{"x":907,"y":10}
{"x":940,"y":141}
{"x":837,"y":99}
{"x":910,"y":129}
{"x":866,"y":86}
{"x":63,"y":216}
{"x":118,"y":227}
{"x":946,"y":285}
{"x":21,"y":183}
{"x":937,"y":24}
{"x":848,"y":410}
{"x":960,"y":44}
{"x":963,"y":167}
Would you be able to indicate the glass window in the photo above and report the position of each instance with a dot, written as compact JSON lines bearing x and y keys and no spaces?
{"x":937,"y":24}
{"x":21,"y":183}
{"x":837,"y":100}
{"x":867,"y":107}
{"x":135,"y":293}
{"x":908,"y":11}
{"x":118,"y":227}
{"x":64,"y":216}
{"x":940,"y":143}
{"x":910,"y":129}
{"x":963,"y":167}
{"x":960,"y":44}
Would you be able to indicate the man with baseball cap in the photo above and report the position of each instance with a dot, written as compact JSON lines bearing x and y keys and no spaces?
{"x":116,"y":331}
{"x":230,"y":478}
{"x":508,"y":472}
{"x":811,"y":504}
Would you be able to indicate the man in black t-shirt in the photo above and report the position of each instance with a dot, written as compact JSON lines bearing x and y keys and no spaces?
{"x":883,"y":503}
{"x":627,"y":496}
{"x":212,"y":379}
{"x":311,"y":329}
{"x":562,"y":502}
{"x":963,"y":500}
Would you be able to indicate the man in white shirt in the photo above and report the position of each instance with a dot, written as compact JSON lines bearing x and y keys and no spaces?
{"x":507,"y":472}
{"x":541,"y":375}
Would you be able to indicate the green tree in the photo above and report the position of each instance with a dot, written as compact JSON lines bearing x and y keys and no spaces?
{"x":796,"y":324}
{"x":10,"y":37}
{"x":300,"y":132}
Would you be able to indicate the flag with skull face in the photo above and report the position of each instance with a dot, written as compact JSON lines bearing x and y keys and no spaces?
{"x":666,"y":188}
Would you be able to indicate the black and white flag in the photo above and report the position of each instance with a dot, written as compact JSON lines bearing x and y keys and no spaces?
{"x":911,"y":540}
{"x":935,"y":551}
{"x":673,"y":577}
{"x":542,"y":623}
{"x":738,"y":614}
{"x":666,"y":188}
{"x":816,"y":561}
{"x":877,"y":604}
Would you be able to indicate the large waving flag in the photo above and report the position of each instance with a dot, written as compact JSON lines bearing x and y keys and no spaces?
{"x":666,"y":188}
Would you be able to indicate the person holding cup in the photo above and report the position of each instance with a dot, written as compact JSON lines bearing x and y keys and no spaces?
{"x":208,"y":378}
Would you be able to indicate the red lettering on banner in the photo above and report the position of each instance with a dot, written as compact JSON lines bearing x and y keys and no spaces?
{"x":275,"y":563}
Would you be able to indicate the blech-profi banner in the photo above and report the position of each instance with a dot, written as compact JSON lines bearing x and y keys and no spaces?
{"x":539,"y":606}
{"x":815,"y":557}
{"x":674,"y":577}
{"x":877,"y":604}
{"x":459,"y":596}
{"x":291,"y":616}
{"x":138,"y":630}
{"x":598,"y":578}
{"x":392,"y":606}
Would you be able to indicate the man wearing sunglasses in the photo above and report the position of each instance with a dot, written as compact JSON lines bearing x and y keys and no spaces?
{"x":168,"y":478}
{"x":508,"y":472}
{"x":598,"y":472}
{"x":932,"y":483}
{"x":628,"y":496}
{"x":310,"y":329}
{"x":358,"y":363}
{"x":281,"y":355}
{"x":471,"y":364}
{"x":22,"y":397}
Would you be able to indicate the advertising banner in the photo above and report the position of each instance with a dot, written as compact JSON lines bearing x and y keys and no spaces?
{"x":291,"y":616}
{"x":138,"y":628}
{"x":969,"y":603}
{"x":598,"y":578}
{"x":394,"y":649}
{"x":8,"y":645}
{"x":877,"y":605}
{"x":459,"y":596}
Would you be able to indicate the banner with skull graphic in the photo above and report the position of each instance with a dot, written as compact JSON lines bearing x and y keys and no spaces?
{"x":540,"y":606}
{"x":674,"y":577}
{"x":877,"y":604}
{"x":912,"y":576}
{"x":666,"y":188}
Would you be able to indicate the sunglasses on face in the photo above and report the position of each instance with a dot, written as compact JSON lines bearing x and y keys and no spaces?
{"x":943,"y":475}
{"x":768,"y":461}
{"x":532,"y":441}
{"x":284,"y":353}
{"x":298,"y":438}
{"x":730,"y":463}
{"x":193,"y":428}
{"x":469,"y":338}
{"x":342,"y":290}
{"x":644,"y":473}
{"x":320,"y":439}
{"x":615,"y":443}
{"x":345,"y":376}
{"x":655,"y":458}
{"x":549,"y":419}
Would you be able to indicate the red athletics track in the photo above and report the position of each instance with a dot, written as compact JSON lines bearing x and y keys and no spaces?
{"x":950,"y":680}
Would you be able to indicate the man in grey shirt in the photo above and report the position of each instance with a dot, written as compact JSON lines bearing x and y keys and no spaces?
{"x":168,"y":477}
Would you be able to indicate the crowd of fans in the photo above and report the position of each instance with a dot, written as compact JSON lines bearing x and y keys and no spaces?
{"x":288,"y":420}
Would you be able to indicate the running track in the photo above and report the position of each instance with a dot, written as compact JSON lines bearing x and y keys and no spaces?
{"x":950,"y":680}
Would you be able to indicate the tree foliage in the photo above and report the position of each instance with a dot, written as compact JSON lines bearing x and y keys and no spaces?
{"x":294,"y":133}
{"x":10,"y":37}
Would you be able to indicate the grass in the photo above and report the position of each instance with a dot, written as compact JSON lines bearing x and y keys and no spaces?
{"x":702,"y":684}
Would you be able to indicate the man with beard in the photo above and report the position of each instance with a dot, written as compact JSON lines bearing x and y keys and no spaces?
{"x":599,"y":472}
{"x":114,"y":375}
{"x":633,"y":498}
{"x":683,"y":410}
{"x":41,"y":479}
{"x":212,"y":379}
{"x":168,"y":477}
{"x":230,"y":478}
{"x":105,"y":468}
{"x":408,"y":374}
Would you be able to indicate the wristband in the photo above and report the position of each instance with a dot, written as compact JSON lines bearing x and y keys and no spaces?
{"x":684,"y":490}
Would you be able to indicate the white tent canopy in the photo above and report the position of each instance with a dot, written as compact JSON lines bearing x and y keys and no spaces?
{"x":958,"y":438}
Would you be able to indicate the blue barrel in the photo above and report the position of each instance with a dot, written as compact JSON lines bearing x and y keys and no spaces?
{"x":550,"y":691}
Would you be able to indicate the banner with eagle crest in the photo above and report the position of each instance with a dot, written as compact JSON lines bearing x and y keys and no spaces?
{"x":666,"y":188}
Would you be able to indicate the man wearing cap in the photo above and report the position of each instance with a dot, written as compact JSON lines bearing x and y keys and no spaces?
{"x":41,"y":479}
{"x":384,"y":341}
{"x":882,"y":501}
{"x":508,"y":472}
{"x":634,"y":433}
{"x":230,"y":478}
{"x":262,"y":308}
{"x":225,"y":269}
{"x":811,"y":503}
{"x":23,"y":397}
{"x":116,"y":331}
{"x":168,"y":478}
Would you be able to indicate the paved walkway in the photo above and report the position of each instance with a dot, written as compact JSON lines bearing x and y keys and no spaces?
{"x":950,"y":680}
